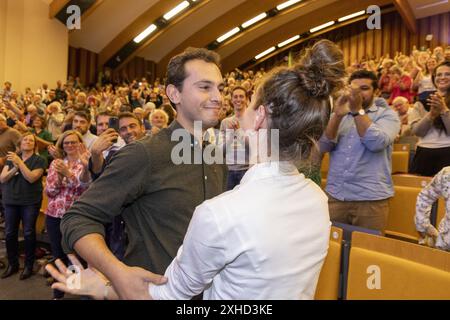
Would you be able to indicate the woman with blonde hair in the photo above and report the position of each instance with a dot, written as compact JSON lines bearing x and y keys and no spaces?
{"x":21,"y":180}
{"x":159,"y":119}
{"x":68,"y":177}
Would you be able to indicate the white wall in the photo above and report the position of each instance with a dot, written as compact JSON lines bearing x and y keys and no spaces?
{"x":33,"y":48}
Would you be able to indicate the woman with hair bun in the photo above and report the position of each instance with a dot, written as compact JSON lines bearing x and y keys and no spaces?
{"x":268,"y":237}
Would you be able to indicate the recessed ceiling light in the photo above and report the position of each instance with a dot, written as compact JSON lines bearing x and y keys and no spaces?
{"x":265,"y":53}
{"x":228,"y":34}
{"x":145,"y":33}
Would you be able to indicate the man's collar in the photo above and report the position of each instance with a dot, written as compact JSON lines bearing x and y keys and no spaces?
{"x":176,"y":125}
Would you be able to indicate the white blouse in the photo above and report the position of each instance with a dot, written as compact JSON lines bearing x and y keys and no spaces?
{"x":265,"y":239}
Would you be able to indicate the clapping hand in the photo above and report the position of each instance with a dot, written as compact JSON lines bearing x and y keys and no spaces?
{"x":61,"y":168}
{"x":437,"y":105}
{"x":341,"y":105}
{"x":233,"y":124}
{"x":155,"y":130}
{"x":52,"y":150}
{"x":349,"y":100}
{"x":14,"y":158}
{"x":84,"y":155}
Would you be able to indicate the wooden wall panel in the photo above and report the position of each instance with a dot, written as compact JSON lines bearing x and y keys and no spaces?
{"x":85,"y":64}
{"x":137,"y":68}
{"x":357,"y":42}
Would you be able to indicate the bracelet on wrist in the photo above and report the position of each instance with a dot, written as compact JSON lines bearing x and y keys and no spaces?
{"x":105,"y":290}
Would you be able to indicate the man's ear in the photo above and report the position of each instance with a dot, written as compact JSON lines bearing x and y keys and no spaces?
{"x":260,"y":120}
{"x":173,"y":94}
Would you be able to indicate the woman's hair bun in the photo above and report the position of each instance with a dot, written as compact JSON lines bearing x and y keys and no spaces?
{"x":321,"y":69}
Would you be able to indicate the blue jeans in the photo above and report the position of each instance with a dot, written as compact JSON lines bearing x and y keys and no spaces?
{"x":234,"y":178}
{"x":54,"y":233}
{"x":13,"y":216}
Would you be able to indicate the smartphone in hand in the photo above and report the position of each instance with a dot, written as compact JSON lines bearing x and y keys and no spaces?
{"x":114,"y":124}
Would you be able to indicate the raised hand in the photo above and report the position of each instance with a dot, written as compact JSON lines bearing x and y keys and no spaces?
{"x":437,"y":101}
{"x":233,"y":124}
{"x":154,"y":130}
{"x":104,"y":141}
{"x":355,"y":100}
{"x":84,"y":155}
{"x":61,"y":168}
{"x":52,"y":150}
{"x":342,"y":104}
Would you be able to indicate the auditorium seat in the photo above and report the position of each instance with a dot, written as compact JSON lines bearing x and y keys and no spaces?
{"x":325,"y":165}
{"x":401,"y":147}
{"x":400,"y":161}
{"x":384,"y":269}
{"x":328,"y":285}
{"x":410,"y":180}
{"x":402,"y":209}
{"x":40,"y":223}
{"x":440,"y":211}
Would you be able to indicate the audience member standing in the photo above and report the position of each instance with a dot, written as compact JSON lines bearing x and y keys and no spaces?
{"x":21,"y":180}
{"x":231,"y":138}
{"x":359,"y":138}
{"x":67,"y":179}
{"x":431,"y":123}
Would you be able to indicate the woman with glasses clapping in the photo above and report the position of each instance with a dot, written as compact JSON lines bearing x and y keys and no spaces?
{"x":68,"y":177}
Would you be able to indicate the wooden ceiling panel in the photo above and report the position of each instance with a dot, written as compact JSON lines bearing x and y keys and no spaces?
{"x":244,"y":51}
{"x":227,"y":18}
{"x":108,"y":20}
{"x":195,"y":30}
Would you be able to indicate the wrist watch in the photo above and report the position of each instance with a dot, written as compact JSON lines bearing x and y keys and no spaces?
{"x":361,"y":112}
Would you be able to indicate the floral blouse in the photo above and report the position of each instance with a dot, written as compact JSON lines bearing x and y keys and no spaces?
{"x":438,"y":187}
{"x":61,"y":195}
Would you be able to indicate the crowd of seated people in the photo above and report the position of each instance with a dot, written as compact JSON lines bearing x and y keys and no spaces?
{"x":415,"y":88}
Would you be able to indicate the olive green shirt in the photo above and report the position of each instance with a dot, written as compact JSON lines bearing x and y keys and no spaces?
{"x":155,"y":197}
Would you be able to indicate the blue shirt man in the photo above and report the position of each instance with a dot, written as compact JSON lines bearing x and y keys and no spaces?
{"x":359,"y":138}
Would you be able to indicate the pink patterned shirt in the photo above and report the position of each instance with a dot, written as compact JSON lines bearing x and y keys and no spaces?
{"x":61,"y":195}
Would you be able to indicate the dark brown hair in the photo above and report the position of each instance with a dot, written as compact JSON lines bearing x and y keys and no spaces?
{"x":19,"y":142}
{"x":297,"y":98}
{"x":84,"y":115}
{"x":128,"y":115}
{"x":176,"y":72}
{"x":102,"y":114}
{"x":239,"y":88}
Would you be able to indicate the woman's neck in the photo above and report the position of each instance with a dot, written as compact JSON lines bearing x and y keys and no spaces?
{"x":72,"y":157}
{"x":26,"y":154}
{"x":443,"y":92}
